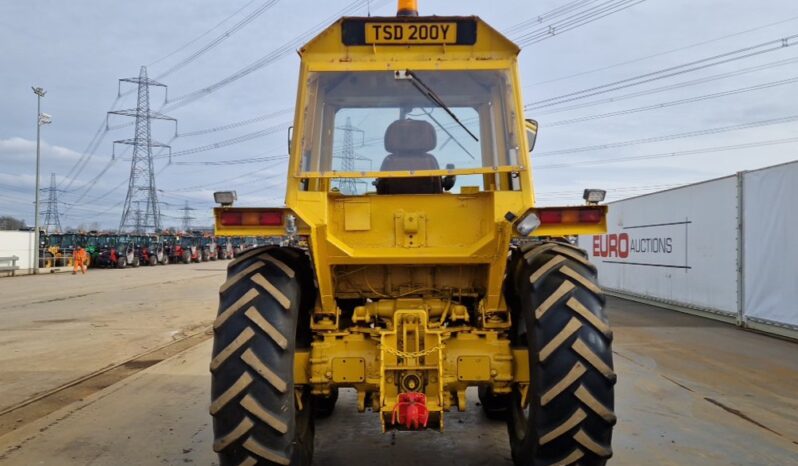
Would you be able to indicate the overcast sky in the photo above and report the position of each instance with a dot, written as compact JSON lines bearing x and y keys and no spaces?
{"x":78,"y":50}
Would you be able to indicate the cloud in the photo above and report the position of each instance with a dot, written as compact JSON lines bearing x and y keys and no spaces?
{"x":17,"y":148}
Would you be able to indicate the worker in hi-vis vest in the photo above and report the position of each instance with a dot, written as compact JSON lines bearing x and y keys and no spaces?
{"x":80,"y":261}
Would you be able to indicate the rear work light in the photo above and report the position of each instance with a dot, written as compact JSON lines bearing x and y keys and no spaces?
{"x":252,"y":218}
{"x":570,"y":216}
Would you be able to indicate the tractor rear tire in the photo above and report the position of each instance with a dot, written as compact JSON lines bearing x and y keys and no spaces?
{"x":559,"y":317}
{"x":136,"y":261}
{"x":323,"y":406}
{"x":165,"y":260}
{"x":186,"y":257}
{"x":495,"y":407}
{"x":259,"y":418}
{"x":153,"y":261}
{"x":121,"y":263}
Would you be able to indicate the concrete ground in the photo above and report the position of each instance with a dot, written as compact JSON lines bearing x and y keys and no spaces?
{"x":55,"y":328}
{"x":690,"y":391}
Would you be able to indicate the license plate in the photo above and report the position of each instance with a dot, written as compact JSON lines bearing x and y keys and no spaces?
{"x":411,"y":33}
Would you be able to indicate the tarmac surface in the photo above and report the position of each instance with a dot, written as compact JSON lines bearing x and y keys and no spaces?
{"x":111,"y":368}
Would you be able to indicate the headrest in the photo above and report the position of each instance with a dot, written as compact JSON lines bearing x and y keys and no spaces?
{"x":410,"y":136}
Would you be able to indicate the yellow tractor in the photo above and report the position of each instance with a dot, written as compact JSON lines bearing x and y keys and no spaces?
{"x":425,"y":267}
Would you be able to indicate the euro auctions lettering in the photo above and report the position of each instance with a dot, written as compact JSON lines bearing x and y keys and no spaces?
{"x":622,"y":245}
{"x":648,"y":245}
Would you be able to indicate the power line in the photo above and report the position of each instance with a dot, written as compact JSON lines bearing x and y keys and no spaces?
{"x":659,"y":54}
{"x":236,"y":162}
{"x":238,"y":124}
{"x":219,"y":39}
{"x":266,"y":60}
{"x":537,"y":20}
{"x":88,"y":152}
{"x":661,"y":155}
{"x":196,"y":39}
{"x":618,"y":189}
{"x":689,"y":134}
{"x":673,"y":103}
{"x":96,"y":140}
{"x":225,"y":181}
{"x":715,"y":60}
{"x":576,"y":20}
{"x":670,"y":87}
{"x":228,"y":142}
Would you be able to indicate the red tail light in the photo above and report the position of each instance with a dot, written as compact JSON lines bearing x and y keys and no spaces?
{"x":590,"y":216}
{"x":570,"y":216}
{"x":232,"y":218}
{"x":270,"y":218}
{"x":548,"y":217}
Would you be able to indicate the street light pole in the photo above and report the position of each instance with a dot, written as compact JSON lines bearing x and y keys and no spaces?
{"x":39,"y":122}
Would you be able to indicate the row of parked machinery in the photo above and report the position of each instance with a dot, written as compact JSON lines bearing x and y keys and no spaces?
{"x":130,"y":250}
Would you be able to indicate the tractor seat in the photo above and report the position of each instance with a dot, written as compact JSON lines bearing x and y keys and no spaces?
{"x":408,"y":143}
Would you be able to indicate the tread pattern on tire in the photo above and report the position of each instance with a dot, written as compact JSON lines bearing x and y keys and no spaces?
{"x":571,"y":395}
{"x":256,"y":420}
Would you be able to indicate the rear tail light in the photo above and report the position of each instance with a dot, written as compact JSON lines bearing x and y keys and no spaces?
{"x":590,"y":216}
{"x":252,"y":218}
{"x":548,"y":217}
{"x":570,"y":216}
{"x":271,"y":218}
{"x":232,"y":218}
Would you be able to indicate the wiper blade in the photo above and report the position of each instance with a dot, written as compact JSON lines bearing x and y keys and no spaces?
{"x":432,"y":96}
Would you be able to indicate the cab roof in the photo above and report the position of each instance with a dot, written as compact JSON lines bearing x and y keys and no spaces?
{"x":346,"y":41}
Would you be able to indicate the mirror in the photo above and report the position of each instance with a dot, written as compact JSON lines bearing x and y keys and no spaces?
{"x":290,"y":137}
{"x":531,"y":133}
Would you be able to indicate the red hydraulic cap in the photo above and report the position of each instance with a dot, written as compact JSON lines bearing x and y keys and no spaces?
{"x":411,"y":411}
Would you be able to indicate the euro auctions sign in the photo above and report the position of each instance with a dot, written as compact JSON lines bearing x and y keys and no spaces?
{"x":650,"y":245}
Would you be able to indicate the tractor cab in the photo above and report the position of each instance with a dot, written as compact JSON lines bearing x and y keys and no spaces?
{"x":412,"y":131}
{"x":107,"y":252}
{"x":190,"y":248}
{"x":209,"y":248}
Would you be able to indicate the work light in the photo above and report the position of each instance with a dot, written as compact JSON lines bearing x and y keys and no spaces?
{"x":527,"y":224}
{"x":594,"y":196}
{"x":225,"y":198}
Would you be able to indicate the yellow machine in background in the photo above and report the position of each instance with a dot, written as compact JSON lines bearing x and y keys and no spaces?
{"x":409,"y":187}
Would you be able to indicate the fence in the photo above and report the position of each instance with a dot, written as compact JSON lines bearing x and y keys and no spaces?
{"x":724,"y":248}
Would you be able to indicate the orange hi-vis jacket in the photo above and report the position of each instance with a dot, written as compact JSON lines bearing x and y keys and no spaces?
{"x":81,"y":255}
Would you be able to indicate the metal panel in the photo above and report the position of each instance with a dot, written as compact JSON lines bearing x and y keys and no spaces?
{"x":677,"y":246}
{"x":770,"y":249}
{"x":20,"y":244}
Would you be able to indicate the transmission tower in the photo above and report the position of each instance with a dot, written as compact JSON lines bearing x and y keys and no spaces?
{"x":348,"y":185}
{"x":141,"y":185}
{"x":51,"y":216}
{"x":187,"y":218}
{"x":138,"y":219}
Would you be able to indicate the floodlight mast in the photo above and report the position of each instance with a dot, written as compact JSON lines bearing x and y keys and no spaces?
{"x":41,"y":119}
